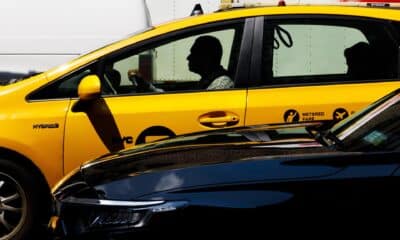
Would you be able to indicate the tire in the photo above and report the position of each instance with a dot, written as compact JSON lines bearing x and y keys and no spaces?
{"x":23,"y":209}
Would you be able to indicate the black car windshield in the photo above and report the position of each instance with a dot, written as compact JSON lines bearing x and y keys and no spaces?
{"x":374,"y":128}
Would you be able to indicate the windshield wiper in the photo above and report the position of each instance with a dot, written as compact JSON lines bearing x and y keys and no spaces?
{"x":332,"y":140}
{"x":317,"y":134}
{"x":324,"y":136}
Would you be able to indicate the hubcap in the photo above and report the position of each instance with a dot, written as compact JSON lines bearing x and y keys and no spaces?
{"x":12,"y":207}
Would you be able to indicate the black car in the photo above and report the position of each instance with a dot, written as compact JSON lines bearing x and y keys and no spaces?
{"x":239,"y":178}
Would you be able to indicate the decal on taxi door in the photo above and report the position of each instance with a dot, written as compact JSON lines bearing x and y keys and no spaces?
{"x":340,"y":114}
{"x":291,"y":115}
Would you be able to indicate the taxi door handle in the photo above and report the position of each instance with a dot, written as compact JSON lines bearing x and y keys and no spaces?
{"x":218,"y":119}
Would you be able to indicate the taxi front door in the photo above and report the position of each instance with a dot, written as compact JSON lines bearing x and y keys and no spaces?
{"x":127,"y":116}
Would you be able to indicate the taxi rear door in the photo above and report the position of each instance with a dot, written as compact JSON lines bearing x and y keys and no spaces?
{"x":302,"y":73}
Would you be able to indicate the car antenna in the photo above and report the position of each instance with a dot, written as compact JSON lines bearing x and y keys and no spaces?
{"x":197,"y":10}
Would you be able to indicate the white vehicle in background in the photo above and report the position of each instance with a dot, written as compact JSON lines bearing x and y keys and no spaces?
{"x":37,"y":35}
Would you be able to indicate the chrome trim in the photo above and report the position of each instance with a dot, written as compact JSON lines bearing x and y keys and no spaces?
{"x":114,"y":203}
{"x":169,"y":206}
{"x":291,"y":145}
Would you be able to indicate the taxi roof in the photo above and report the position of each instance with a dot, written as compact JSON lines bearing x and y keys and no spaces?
{"x":231,"y":4}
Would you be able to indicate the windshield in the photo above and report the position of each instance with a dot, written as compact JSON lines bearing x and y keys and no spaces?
{"x":376,"y":127}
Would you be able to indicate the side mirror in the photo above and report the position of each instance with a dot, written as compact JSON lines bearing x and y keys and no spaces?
{"x":89,"y":88}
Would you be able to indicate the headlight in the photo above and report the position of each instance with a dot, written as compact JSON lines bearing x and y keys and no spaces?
{"x":114,"y":217}
{"x":81,"y":215}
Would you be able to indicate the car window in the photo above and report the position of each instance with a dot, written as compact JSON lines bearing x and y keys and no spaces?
{"x":163,"y":64}
{"x":177,"y":65}
{"x":304,"y":57}
{"x":315,"y":51}
{"x":63,"y":88}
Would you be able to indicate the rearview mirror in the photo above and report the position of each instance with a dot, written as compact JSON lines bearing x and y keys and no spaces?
{"x":89,"y":88}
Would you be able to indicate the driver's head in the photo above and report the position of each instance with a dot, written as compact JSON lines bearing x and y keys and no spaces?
{"x":205,"y":54}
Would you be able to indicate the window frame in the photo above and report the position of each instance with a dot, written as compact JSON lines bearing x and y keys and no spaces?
{"x":241,"y":72}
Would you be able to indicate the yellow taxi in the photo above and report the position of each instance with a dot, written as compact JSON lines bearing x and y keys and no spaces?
{"x":281,"y":64}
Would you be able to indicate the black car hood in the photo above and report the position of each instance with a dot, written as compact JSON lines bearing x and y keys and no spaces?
{"x":268,"y":135}
{"x":209,"y":165}
{"x":255,"y":134}
{"x":166,"y":166}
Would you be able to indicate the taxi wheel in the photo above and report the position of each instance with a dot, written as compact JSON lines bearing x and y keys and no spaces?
{"x":19,"y":202}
